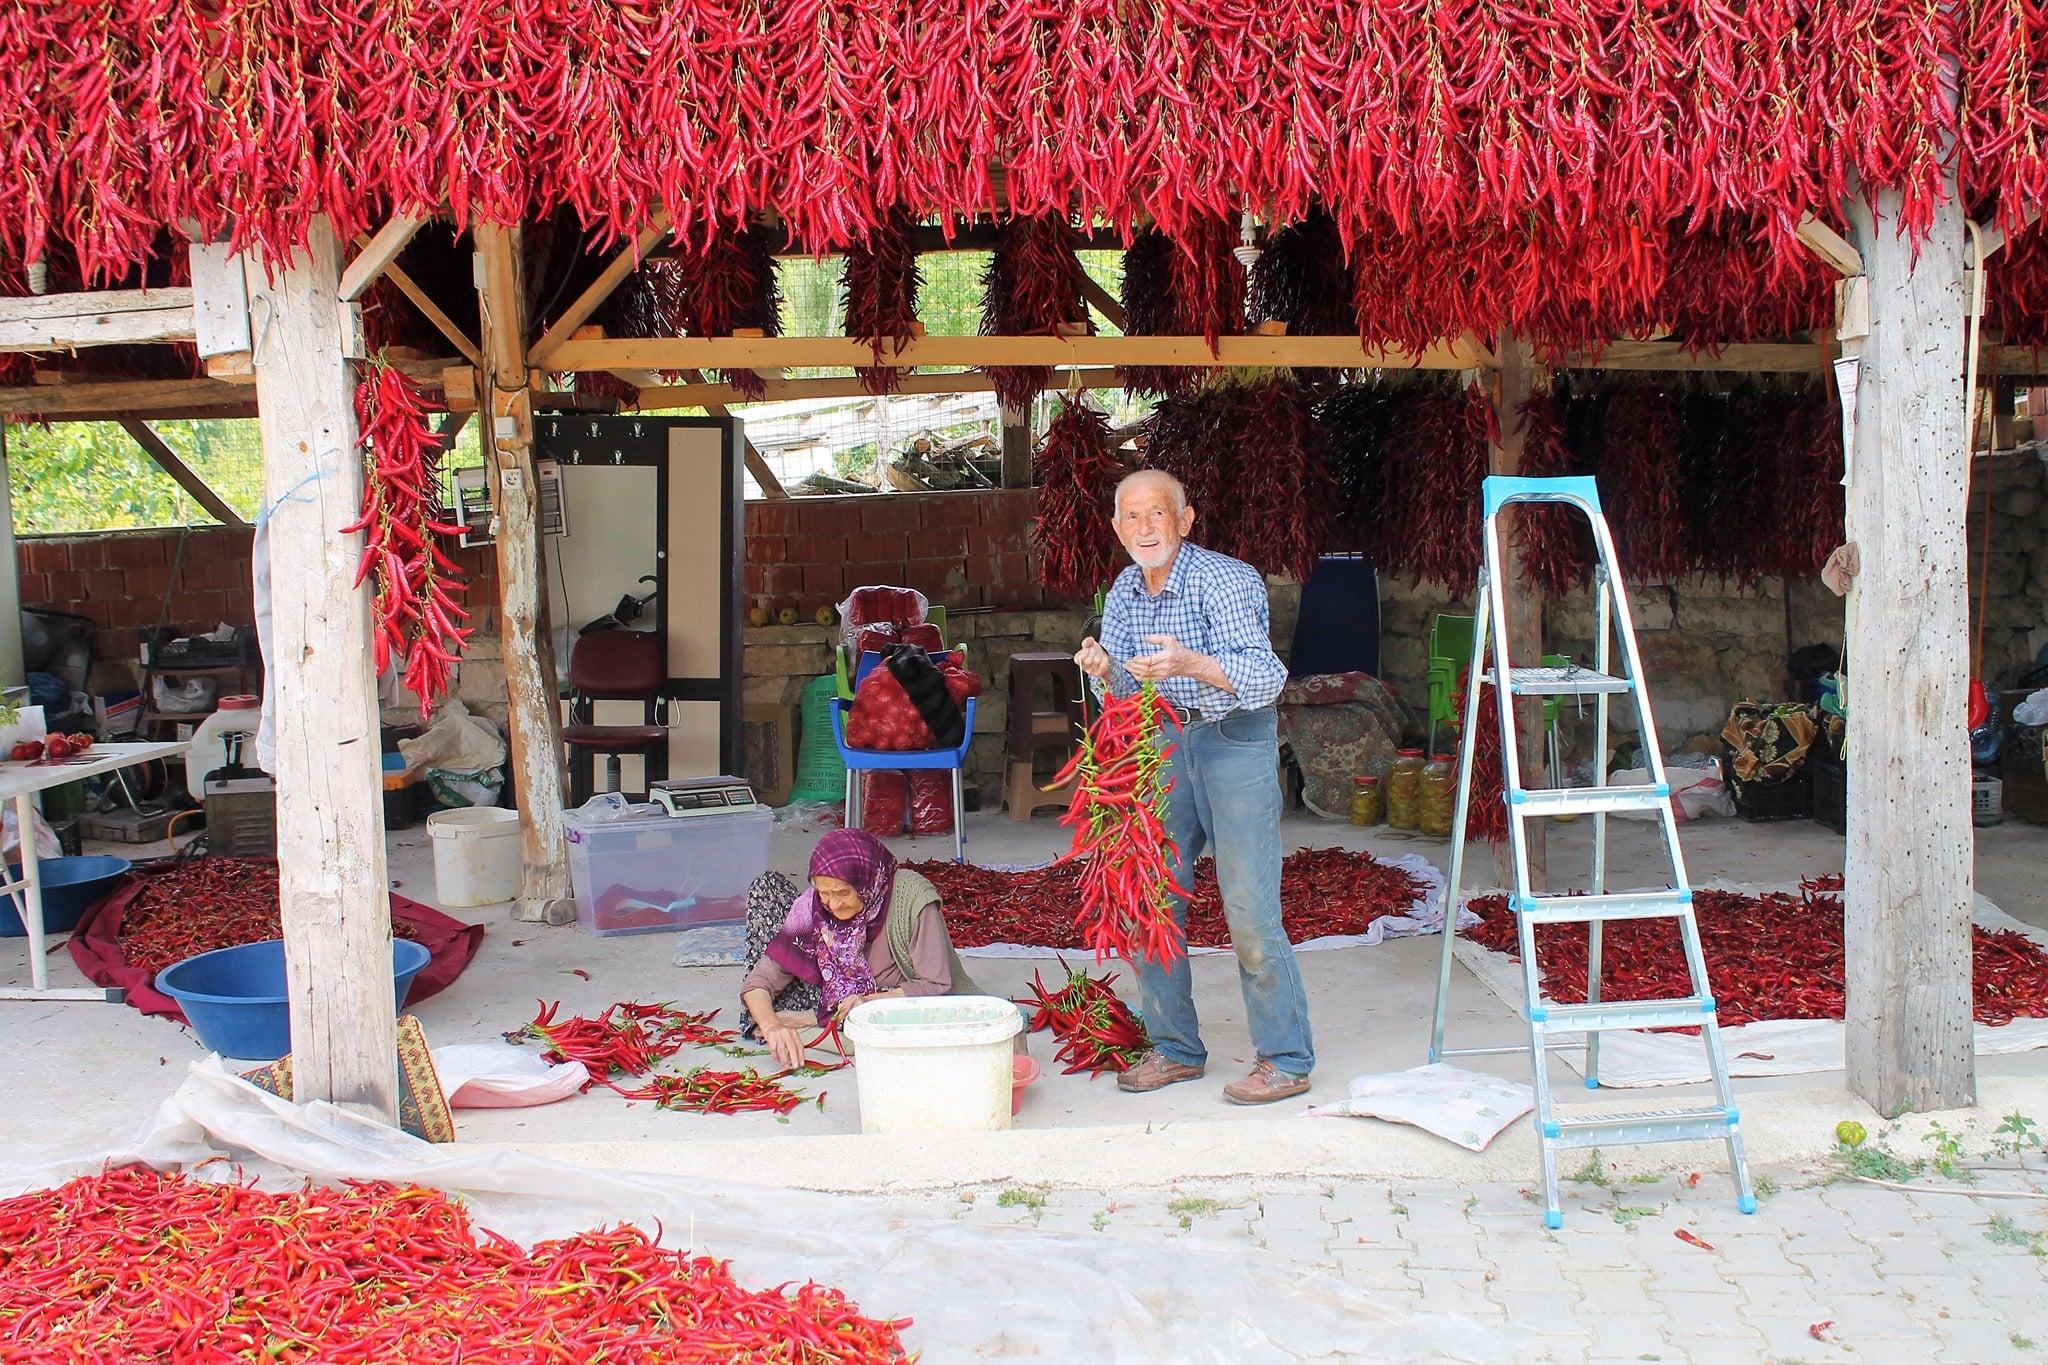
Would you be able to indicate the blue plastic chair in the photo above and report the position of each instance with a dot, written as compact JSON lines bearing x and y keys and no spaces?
{"x":892,"y":760}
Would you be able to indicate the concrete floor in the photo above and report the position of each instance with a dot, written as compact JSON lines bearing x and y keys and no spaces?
{"x":93,"y":1068}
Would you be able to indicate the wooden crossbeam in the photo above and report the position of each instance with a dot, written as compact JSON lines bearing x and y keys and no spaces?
{"x":120,"y":398}
{"x":1828,"y":244}
{"x":188,"y":478}
{"x":376,"y":255}
{"x":1995,"y":237}
{"x":1104,"y":303}
{"x":655,"y":395}
{"x":111,"y":317}
{"x":1758,"y":358}
{"x":542,"y":353}
{"x":689,"y":353}
{"x":444,"y":324}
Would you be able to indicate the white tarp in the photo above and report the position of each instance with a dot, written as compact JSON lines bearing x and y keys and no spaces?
{"x":1769,"y":1047}
{"x":976,"y":1292}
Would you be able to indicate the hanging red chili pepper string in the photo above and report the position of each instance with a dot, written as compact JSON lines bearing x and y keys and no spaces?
{"x":1032,"y":287}
{"x":1095,"y":1029}
{"x":1077,"y":475}
{"x":417,"y":610}
{"x":1118,"y":817}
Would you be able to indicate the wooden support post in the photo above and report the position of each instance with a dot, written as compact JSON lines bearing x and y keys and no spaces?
{"x":1016,"y":446}
{"x":332,"y":882}
{"x":528,"y":644}
{"x":1909,"y":888}
{"x":1511,"y":384}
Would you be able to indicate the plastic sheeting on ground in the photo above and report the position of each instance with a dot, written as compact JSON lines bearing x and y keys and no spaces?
{"x":1769,"y":1047}
{"x":976,"y":1292}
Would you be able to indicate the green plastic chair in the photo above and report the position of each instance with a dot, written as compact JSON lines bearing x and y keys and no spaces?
{"x":1450,"y":650}
{"x":842,"y":664}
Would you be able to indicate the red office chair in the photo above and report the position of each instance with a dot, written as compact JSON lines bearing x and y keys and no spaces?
{"x":614,"y":665}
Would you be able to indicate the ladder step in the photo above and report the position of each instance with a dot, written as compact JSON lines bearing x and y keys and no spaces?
{"x":1588,"y":800}
{"x":1568,"y":681}
{"x":1650,"y":1125}
{"x":1621,"y":905}
{"x":1688,"y":1012}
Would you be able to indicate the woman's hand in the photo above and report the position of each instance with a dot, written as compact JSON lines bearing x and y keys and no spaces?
{"x":785,"y":1044}
{"x":846,"y":1006}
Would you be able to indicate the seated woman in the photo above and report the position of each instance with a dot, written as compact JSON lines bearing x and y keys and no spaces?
{"x":865,"y":930}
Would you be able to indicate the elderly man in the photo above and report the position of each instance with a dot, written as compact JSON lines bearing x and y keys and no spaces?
{"x":1196,"y":623}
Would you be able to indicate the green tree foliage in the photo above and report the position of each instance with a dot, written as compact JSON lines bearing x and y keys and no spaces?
{"x":92,"y":476}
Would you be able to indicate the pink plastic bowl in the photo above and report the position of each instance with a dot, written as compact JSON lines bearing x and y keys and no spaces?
{"x":1023,"y":1071}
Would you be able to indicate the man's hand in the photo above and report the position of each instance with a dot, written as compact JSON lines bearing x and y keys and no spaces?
{"x":1171,"y":660}
{"x":1093,"y":658}
{"x":784,"y":1045}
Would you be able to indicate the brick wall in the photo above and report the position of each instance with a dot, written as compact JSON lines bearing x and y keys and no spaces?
{"x":963,"y":549}
{"x":119,"y":581}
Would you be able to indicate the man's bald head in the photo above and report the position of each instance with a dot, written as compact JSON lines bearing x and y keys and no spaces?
{"x":1153,"y":480}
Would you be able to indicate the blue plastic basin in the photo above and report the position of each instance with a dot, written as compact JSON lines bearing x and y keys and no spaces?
{"x":71,"y":886}
{"x":234,"y":998}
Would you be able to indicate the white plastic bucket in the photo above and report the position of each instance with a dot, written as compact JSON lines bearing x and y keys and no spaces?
{"x":476,"y":855}
{"x":934,"y":1064}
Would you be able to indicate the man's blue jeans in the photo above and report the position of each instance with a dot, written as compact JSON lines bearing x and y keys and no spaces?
{"x":1226,"y":801}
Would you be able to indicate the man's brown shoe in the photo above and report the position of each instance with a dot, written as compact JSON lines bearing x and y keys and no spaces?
{"x":1154,"y":1072}
{"x":1266,"y":1084}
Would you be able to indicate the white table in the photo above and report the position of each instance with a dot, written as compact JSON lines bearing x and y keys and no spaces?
{"x":22,"y":781}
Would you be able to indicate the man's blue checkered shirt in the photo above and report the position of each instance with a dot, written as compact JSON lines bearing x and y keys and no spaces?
{"x":1212,"y":604}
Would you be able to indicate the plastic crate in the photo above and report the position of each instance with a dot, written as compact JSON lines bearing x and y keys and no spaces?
{"x":1830,"y":790}
{"x":1759,"y":802}
{"x":639,"y":870}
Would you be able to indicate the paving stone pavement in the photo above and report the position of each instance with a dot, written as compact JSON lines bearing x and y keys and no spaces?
{"x":1827,"y":1270}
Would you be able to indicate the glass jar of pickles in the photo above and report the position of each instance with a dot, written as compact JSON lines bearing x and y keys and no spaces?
{"x":1365,"y":800}
{"x":1438,"y":795}
{"x":1404,"y":789}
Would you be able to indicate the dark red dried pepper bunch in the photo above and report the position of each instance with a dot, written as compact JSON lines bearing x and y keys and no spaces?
{"x":1186,"y":284}
{"x":882,"y":280}
{"x":1249,"y":451}
{"x":1438,"y":454}
{"x":1358,"y":421}
{"x":1486,"y":817}
{"x":418,"y":614}
{"x":1149,"y":310}
{"x":1640,"y":485}
{"x":727,"y":285}
{"x":1555,"y":542}
{"x":1032,"y":287}
{"x":1807,"y":482}
{"x":196,"y":906}
{"x":1077,"y":473}
{"x":1303,"y":279}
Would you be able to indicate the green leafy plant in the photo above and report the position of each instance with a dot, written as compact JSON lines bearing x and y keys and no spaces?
{"x":1189,"y":1209}
{"x":1021,"y":1199}
{"x":2003,"y":1231}
{"x":1874,"y":1163}
{"x":1593,"y":1172}
{"x":1948,"y":1153}
{"x":2016,"y":1135}
{"x":1626,"y":1214}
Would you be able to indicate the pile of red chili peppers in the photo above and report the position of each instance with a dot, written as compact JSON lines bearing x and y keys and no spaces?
{"x":630,"y":1039}
{"x":1774,"y":956}
{"x":206,"y":903}
{"x":417,"y":614}
{"x":1095,"y":1029}
{"x":1120,"y":784}
{"x":1323,"y":891}
{"x":137,"y":1265}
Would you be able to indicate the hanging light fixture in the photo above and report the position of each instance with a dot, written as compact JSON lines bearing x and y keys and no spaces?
{"x":1247,"y":252}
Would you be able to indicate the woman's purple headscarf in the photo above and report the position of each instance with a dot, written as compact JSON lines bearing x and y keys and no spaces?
{"x":809,"y":934}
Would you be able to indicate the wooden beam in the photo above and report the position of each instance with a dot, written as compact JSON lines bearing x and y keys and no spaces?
{"x":1103,"y":302}
{"x":1016,"y":424}
{"x":187,"y":477}
{"x":1833,"y":248}
{"x":655,"y":396}
{"x":625,"y":263}
{"x":535,"y":709}
{"x":1908,"y":862}
{"x":783,"y":353}
{"x":112,"y":317}
{"x":1749,"y":358}
{"x":121,"y":398}
{"x":444,"y":324}
{"x":1996,"y":237}
{"x":333,"y":886}
{"x":375,"y":254}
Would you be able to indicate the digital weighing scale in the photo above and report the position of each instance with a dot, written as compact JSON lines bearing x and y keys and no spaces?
{"x":686,"y":796}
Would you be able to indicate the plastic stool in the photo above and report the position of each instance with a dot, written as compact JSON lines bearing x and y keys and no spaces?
{"x":1032,"y":730}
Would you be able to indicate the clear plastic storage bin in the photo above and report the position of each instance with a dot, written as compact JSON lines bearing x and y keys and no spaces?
{"x":638,"y":870}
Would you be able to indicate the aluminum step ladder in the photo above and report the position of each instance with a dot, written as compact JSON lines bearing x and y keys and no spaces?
{"x":1557,"y":1129}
